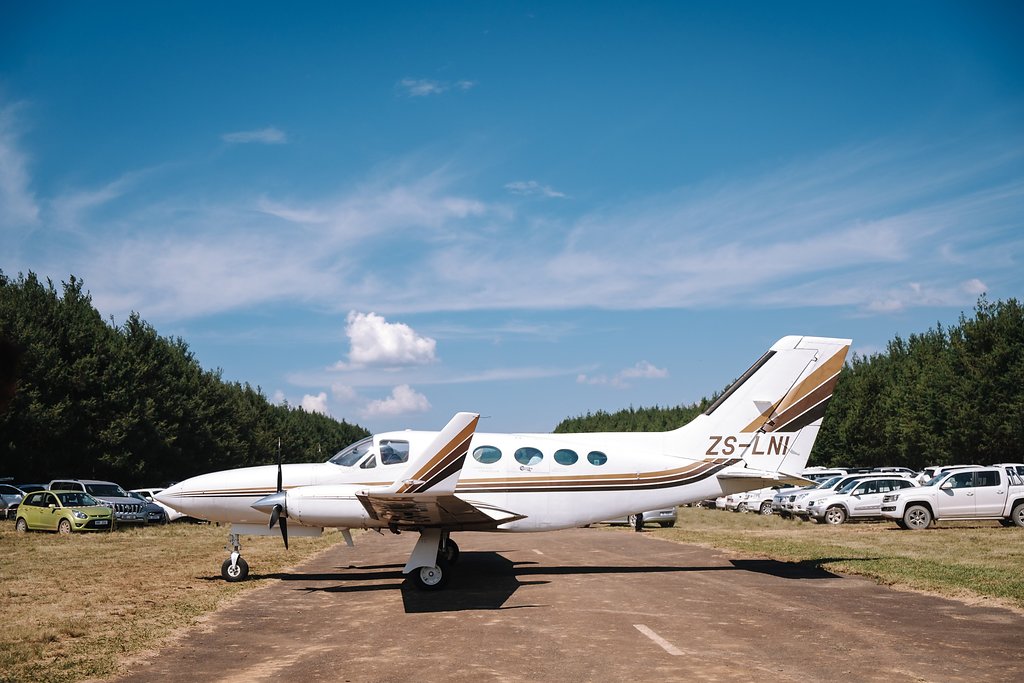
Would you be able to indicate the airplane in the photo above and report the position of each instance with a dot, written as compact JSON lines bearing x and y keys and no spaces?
{"x":758,"y":433}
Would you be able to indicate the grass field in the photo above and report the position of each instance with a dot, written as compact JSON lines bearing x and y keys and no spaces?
{"x":78,"y":606}
{"x":81,"y":606}
{"x":967,"y":560}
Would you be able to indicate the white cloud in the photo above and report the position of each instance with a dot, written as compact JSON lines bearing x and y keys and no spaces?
{"x":343,"y":393}
{"x":266,"y":136}
{"x":315,"y":404}
{"x":18,"y":206}
{"x":642,"y":370}
{"x":403,"y":400}
{"x":423,"y":87}
{"x":532,"y":188}
{"x":975,"y":287}
{"x":376,"y":342}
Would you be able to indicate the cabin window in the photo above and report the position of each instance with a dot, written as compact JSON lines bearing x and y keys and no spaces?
{"x":370,"y":463}
{"x":597,"y":458}
{"x":393,"y":452}
{"x":486,"y":454}
{"x":564,"y":456}
{"x":528,"y":456}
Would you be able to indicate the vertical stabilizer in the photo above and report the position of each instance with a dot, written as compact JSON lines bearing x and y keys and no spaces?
{"x":770,"y":416}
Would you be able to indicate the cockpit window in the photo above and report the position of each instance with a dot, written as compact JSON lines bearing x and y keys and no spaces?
{"x":353,"y":454}
{"x":393,"y":452}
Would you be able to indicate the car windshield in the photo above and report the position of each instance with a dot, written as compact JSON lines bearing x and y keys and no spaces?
{"x":828,"y":483}
{"x":353,"y":454}
{"x":848,"y":486}
{"x":935,"y":480}
{"x":109,"y":490}
{"x":76,"y":499}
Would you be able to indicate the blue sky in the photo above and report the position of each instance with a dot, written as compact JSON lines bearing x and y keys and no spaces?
{"x":393,"y":211}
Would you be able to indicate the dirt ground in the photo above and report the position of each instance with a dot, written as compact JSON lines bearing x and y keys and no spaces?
{"x":585,"y":605}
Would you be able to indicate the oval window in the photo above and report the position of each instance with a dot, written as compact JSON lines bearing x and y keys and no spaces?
{"x":597,"y":458}
{"x":564,"y":456}
{"x":486,"y":454}
{"x":528,"y":456}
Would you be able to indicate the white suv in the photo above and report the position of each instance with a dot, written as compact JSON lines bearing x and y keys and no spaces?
{"x":860,"y":498}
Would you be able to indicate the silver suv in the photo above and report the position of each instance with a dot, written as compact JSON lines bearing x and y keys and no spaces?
{"x":127,"y":510}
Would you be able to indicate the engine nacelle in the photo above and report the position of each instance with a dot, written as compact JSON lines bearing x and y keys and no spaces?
{"x":333,"y":505}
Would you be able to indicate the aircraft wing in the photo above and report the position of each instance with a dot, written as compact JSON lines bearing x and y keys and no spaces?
{"x":426,"y":510}
{"x":766,"y":477}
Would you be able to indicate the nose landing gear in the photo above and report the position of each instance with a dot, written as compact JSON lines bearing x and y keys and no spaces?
{"x":234,"y":568}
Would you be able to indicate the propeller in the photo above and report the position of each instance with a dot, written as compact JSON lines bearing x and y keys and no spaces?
{"x":279,"y":501}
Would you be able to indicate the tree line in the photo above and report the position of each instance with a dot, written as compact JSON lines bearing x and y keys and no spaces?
{"x":98,"y":400}
{"x":949,"y":395}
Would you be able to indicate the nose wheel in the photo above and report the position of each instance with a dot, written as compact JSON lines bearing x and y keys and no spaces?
{"x":234,"y":568}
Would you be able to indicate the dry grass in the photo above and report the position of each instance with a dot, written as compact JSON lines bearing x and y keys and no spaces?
{"x":966,"y":560}
{"x":78,"y":606}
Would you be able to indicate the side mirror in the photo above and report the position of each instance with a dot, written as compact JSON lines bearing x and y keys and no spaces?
{"x":946,"y":485}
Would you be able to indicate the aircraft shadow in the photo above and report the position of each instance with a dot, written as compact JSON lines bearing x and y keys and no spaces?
{"x":486,"y":580}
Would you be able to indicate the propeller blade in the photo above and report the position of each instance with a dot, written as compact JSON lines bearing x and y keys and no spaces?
{"x":275,"y":514}
{"x":284,"y":531}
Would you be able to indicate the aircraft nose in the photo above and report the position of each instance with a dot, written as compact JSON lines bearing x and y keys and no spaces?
{"x":170,"y":495}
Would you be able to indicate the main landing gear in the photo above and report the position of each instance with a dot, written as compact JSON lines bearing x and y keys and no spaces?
{"x":234,"y":568}
{"x":430,"y":564}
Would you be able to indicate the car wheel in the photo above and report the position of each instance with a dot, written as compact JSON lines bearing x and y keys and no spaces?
{"x":742,"y":507}
{"x":667,"y":525}
{"x":631,"y":520}
{"x":917,"y":517}
{"x":1017,"y":516}
{"x":901,"y":524}
{"x":835,"y":515}
{"x":63,"y":527}
{"x":766,"y":508}
{"x":21,"y":526}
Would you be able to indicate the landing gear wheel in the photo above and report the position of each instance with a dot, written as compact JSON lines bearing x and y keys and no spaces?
{"x":766,"y":508}
{"x":450,"y":552}
{"x":835,"y":515}
{"x":235,"y":573}
{"x":21,"y":526}
{"x":63,"y":527}
{"x":431,"y":578}
{"x":917,"y":517}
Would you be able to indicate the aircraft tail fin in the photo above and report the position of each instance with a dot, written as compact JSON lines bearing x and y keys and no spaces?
{"x":770,"y":416}
{"x":436,"y":470}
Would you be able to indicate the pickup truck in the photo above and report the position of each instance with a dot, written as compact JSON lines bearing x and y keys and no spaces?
{"x":969,"y":493}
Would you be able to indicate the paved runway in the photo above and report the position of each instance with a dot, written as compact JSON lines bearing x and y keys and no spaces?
{"x":586,"y":605}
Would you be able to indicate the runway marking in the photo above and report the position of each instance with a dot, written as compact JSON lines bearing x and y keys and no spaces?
{"x":664,"y":644}
{"x":537,"y":551}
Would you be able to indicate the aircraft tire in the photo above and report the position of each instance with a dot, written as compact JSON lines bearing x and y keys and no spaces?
{"x":451,"y":552}
{"x":431,"y":578}
{"x":240,"y":572}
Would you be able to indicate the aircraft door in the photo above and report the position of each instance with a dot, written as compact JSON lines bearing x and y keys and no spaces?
{"x":989,"y":493}
{"x":956,"y":495}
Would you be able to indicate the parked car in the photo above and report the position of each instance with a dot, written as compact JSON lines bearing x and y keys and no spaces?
{"x":665,"y":518}
{"x":10,"y":498}
{"x":127,"y":510}
{"x":154,"y":513}
{"x":759,"y":501}
{"x":31,"y":488}
{"x":929,"y":473}
{"x":858,"y":499}
{"x":972,"y":493}
{"x":63,"y":512}
{"x":150,"y":495}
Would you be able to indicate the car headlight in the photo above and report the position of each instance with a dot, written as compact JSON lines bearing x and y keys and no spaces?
{"x":810,"y":503}
{"x":79,"y":514}
{"x":890,"y":498}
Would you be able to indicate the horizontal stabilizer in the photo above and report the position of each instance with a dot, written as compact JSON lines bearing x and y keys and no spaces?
{"x":425,"y":510}
{"x":768,"y":477}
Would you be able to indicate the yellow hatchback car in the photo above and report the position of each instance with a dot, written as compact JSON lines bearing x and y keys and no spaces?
{"x":63,"y":512}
